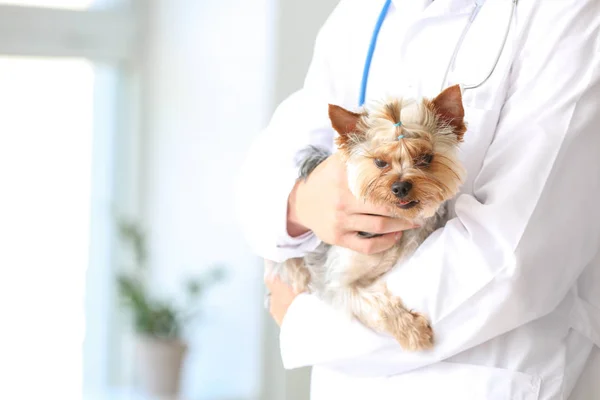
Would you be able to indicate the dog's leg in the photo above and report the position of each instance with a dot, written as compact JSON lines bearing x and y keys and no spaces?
{"x":296,"y":274}
{"x":293,"y":272}
{"x":376,"y":308}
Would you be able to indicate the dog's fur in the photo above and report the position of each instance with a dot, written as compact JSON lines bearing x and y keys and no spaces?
{"x":376,"y":158}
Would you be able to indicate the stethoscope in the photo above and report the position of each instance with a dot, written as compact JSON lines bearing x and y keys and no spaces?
{"x":478,"y":5}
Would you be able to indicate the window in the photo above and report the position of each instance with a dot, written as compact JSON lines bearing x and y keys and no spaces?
{"x":45,"y":162}
{"x":64,"y":109}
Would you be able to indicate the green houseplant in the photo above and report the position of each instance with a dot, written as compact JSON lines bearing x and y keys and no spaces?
{"x":158,"y":323}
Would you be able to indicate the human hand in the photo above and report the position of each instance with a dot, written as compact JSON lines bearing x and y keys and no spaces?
{"x":324,"y":205}
{"x":281,"y":296}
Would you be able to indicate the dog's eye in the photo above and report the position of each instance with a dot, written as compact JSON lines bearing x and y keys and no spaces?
{"x":380,"y":163}
{"x":424,"y":160}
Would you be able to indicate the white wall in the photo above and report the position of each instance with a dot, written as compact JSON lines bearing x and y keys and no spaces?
{"x":207,"y":94}
{"x":297,"y":26}
{"x":215,"y":71}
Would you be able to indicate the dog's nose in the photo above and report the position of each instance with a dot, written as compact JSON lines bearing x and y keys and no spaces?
{"x":401,"y":189}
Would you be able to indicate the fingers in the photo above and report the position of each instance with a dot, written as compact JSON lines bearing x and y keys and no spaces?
{"x":377,"y":224}
{"x":372,"y":245}
{"x":360,"y":207}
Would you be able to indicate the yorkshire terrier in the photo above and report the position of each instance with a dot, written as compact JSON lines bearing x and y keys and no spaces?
{"x":402,"y":154}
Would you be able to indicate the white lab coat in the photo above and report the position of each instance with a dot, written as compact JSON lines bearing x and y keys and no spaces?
{"x":512,"y":283}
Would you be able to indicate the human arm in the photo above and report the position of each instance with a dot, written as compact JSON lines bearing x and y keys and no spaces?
{"x":269,"y":171}
{"x":519,"y":241}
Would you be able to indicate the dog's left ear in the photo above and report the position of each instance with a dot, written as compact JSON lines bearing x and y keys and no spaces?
{"x":449,"y":108}
{"x":344,"y":122}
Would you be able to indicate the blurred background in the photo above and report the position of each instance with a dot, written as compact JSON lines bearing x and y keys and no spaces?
{"x":123,"y":124}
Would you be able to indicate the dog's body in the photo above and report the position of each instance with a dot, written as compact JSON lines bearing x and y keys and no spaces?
{"x":351,"y":281}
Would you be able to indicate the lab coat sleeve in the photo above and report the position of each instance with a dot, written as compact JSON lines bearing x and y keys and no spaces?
{"x":518,"y":244}
{"x":270,"y":168}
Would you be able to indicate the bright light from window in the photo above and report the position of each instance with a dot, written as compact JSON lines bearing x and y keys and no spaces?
{"x":46,"y":126}
{"x":68,"y":4}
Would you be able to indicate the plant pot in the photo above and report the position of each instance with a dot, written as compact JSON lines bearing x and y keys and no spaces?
{"x":158,"y":365}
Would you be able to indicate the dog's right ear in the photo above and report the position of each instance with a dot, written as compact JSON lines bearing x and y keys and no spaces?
{"x":448,"y":106}
{"x":344,"y":122}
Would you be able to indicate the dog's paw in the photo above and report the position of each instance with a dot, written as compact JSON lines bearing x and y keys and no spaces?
{"x":420,"y":335}
{"x":413,"y":333}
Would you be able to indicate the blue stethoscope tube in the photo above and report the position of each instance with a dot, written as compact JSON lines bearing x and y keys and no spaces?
{"x":373,"y":43}
{"x":365,"y":76}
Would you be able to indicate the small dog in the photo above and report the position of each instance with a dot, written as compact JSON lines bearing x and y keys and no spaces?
{"x":402,"y":154}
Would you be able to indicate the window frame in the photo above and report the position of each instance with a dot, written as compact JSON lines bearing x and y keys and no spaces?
{"x":97,"y":34}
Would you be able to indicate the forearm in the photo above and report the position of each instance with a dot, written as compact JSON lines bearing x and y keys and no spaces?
{"x":294,"y":226}
{"x":267,"y":188}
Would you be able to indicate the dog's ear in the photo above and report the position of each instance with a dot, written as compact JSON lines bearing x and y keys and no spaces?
{"x":345,"y":123}
{"x":342,"y":120}
{"x":449,"y":108}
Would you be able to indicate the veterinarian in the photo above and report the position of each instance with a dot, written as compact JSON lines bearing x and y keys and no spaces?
{"x":512,"y":283}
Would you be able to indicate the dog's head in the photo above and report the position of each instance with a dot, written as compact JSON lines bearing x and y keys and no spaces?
{"x":404,"y":153}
